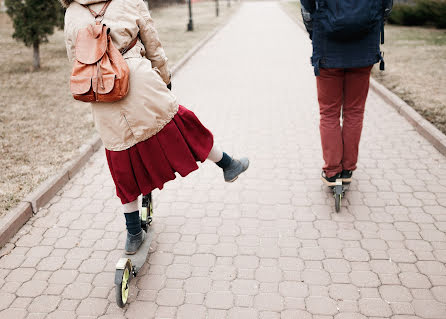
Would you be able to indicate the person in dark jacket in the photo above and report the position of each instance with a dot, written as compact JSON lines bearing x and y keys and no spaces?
{"x":342,"y":64}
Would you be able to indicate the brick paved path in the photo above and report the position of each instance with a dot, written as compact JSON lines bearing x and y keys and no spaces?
{"x":269,"y":245}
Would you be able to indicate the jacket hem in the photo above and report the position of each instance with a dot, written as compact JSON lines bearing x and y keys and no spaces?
{"x":146,"y":136}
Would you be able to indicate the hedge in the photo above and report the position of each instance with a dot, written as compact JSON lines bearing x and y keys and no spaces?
{"x":422,"y":12}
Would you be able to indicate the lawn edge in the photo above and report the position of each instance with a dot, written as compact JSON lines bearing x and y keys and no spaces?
{"x":425,"y":128}
{"x":30,"y":205}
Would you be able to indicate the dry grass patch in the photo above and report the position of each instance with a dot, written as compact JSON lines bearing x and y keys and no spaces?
{"x":416,"y":70}
{"x":415,"y":67}
{"x":41,"y":126}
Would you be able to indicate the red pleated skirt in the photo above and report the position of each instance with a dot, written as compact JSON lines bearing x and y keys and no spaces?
{"x":149,"y":164}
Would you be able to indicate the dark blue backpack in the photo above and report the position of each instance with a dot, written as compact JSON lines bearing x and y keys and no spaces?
{"x":347,"y":20}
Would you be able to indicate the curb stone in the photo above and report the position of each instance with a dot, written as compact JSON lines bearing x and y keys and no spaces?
{"x":426,"y":129}
{"x":11,"y":223}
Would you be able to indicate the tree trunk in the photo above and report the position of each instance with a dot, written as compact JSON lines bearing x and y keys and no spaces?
{"x":36,"y":56}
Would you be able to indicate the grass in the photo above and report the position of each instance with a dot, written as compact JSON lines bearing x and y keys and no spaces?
{"x":416,"y":70}
{"x":41,"y":126}
{"x":415,"y":67}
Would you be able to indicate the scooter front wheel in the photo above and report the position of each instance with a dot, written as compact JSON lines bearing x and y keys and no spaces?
{"x":338,"y":199}
{"x":123,"y":276}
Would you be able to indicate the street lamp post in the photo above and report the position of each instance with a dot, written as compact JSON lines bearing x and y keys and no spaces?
{"x":217,"y":9}
{"x":190,"y":25}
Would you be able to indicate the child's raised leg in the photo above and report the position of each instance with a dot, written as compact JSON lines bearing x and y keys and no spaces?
{"x":232,"y":167}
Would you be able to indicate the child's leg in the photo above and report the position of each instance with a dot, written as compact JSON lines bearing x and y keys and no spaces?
{"x":135,"y":235}
{"x":215,"y":155}
{"x":132,"y":219}
{"x":232,"y":168}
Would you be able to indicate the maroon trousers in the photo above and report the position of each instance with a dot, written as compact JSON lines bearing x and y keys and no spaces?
{"x":346,"y":90}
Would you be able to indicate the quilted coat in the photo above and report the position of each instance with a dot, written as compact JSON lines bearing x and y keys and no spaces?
{"x":149,"y":105}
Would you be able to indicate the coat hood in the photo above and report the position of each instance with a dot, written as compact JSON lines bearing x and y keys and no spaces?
{"x":66,"y":3}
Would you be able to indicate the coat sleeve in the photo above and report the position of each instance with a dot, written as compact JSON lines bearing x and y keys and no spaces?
{"x":307,"y":8}
{"x":149,"y":37}
{"x":70,"y":37}
{"x":309,"y":5}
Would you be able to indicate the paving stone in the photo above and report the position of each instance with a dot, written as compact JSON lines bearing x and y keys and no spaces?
{"x":431,"y":267}
{"x":5,"y":300}
{"x":61,"y":314}
{"x":77,"y":290}
{"x":250,"y":262}
{"x":152,"y":282}
{"x":197,"y":284}
{"x":44,"y":304}
{"x":191,"y":311}
{"x":293,"y":289}
{"x":402,"y":308}
{"x":429,"y":309}
{"x":244,"y":287}
{"x":395,"y":293}
{"x":170,"y":297}
{"x":291,"y":314}
{"x":439,"y":293}
{"x":268,"y":302}
{"x":374,"y":308}
{"x":141,"y":309}
{"x":32,"y":288}
{"x":414,"y":280}
{"x":356,"y":254}
{"x":21,"y":274}
{"x":343,"y":292}
{"x":364,"y":279}
{"x":92,"y":307}
{"x":13,"y":313}
{"x":219,"y":300}
{"x":315,"y":277}
{"x":321,"y":305}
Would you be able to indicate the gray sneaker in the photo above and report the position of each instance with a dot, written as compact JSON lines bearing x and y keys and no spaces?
{"x":133,"y":242}
{"x":234,"y":169}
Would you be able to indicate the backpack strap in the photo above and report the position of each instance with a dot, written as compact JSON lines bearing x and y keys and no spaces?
{"x":101,"y":13}
{"x":130,"y":46}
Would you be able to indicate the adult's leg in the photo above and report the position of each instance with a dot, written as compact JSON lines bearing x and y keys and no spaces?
{"x":330,"y":96}
{"x":356,"y":88}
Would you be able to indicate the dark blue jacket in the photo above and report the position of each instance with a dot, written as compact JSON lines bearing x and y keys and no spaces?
{"x":329,"y":53}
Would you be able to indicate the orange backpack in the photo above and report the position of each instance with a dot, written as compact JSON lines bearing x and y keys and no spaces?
{"x":100,"y":73}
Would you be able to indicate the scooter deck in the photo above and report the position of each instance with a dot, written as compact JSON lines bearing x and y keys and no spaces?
{"x":140,"y":257}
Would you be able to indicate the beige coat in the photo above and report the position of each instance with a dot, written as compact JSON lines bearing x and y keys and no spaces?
{"x":149,"y":105}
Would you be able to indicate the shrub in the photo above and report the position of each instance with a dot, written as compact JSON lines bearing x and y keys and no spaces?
{"x":423,"y":12}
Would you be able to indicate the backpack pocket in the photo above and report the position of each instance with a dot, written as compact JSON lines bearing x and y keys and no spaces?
{"x":105,"y":85}
{"x":80,"y":87}
{"x":348,"y":20}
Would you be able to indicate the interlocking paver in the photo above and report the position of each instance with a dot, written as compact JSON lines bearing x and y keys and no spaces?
{"x":269,"y":245}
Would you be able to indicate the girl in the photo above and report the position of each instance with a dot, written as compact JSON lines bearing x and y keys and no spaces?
{"x":147,"y":135}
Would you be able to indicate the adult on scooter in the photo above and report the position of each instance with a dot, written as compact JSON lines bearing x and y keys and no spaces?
{"x":346,"y":38}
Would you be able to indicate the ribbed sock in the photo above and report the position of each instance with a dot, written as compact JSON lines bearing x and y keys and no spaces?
{"x":225,"y":161}
{"x":133,"y":222}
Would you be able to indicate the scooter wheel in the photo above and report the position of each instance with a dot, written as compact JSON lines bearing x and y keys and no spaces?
{"x":338,"y":198}
{"x":122,"y":281}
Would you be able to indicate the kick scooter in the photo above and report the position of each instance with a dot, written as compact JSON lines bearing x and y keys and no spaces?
{"x":339,"y":190}
{"x":128,"y":266}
